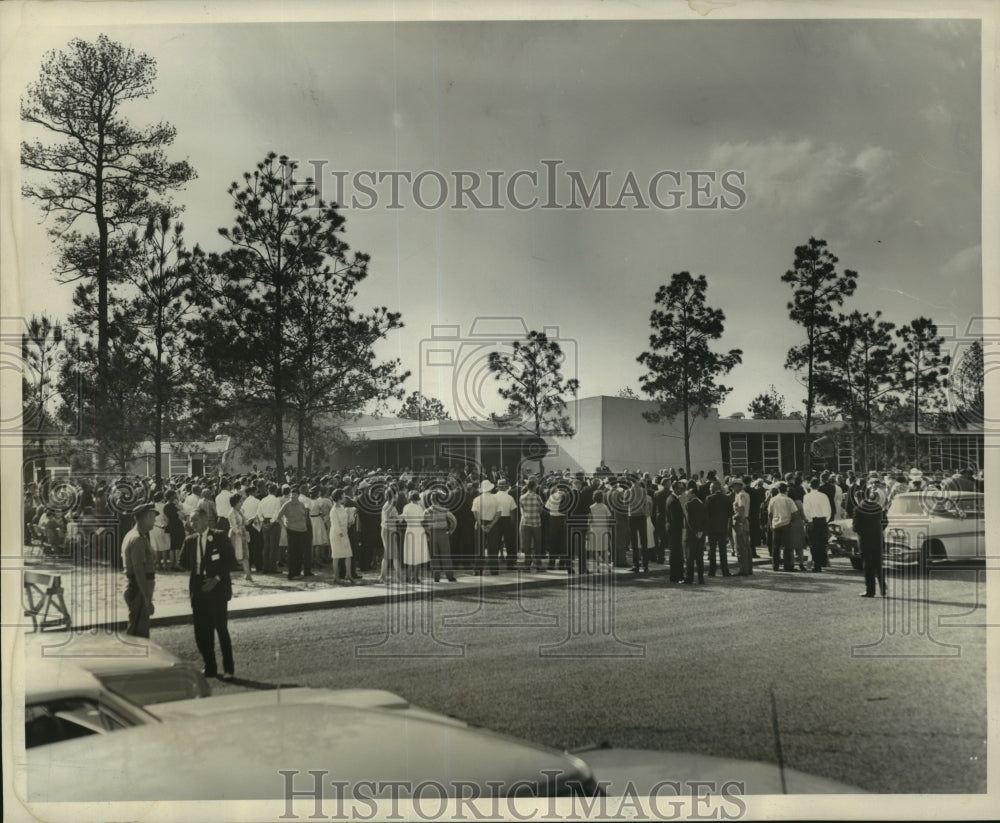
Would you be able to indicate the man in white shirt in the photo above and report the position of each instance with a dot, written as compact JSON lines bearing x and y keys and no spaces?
{"x":270,"y":529}
{"x":222,"y":505}
{"x":192,"y":500}
{"x":505,"y":525}
{"x":780,"y":510}
{"x":486,"y":510}
{"x":251,"y":511}
{"x":818,"y":513}
{"x":741,"y":525}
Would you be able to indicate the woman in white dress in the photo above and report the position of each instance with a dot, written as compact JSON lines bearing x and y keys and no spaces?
{"x":238,"y":534}
{"x":600,"y":538}
{"x":340,"y":543}
{"x":319,"y":517}
{"x":391,"y":559}
{"x":415,"y":550}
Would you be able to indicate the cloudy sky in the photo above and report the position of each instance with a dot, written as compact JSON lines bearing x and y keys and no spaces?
{"x":865,"y":133}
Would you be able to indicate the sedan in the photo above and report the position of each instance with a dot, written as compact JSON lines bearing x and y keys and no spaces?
{"x":935,"y":525}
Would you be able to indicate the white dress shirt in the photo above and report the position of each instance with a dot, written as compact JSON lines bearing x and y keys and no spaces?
{"x":816,"y":504}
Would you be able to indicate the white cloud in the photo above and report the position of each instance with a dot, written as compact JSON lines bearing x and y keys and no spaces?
{"x":937,"y":114}
{"x":795,"y":176}
{"x":965,"y":264}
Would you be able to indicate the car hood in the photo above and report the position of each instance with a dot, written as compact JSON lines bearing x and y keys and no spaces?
{"x":650,"y":773}
{"x":239,"y":755}
{"x":298,"y":695}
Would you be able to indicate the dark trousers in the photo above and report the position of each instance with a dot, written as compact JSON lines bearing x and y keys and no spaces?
{"x":781,"y":548}
{"x":371,"y":544}
{"x":256,"y":548}
{"x":818,"y":534}
{"x":138,"y":613}
{"x":718,"y":543}
{"x":299,"y":551}
{"x":532,"y":545}
{"x":694,"y":558}
{"x":270,"y":550}
{"x":211,"y":617}
{"x":660,"y":540}
{"x":675,"y":542}
{"x":871,"y":556}
{"x":577,"y":536}
{"x":621,"y":539}
{"x":440,"y":547}
{"x":637,"y":537}
{"x":490,"y":545}
{"x":557,"y":539}
{"x":507,"y":534}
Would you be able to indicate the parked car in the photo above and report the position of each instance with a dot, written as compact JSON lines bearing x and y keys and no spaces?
{"x":929,"y":526}
{"x":64,"y":701}
{"x":132,"y":667}
{"x":843,"y":542}
{"x":240,"y":754}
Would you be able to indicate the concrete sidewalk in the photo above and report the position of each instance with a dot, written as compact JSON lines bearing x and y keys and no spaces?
{"x":93,"y":594}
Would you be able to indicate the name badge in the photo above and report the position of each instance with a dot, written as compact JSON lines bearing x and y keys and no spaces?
{"x":214,"y":556}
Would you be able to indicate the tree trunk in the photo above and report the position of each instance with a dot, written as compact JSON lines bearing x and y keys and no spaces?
{"x":687,"y":442}
{"x":158,"y":438}
{"x":806,"y":452}
{"x":103,"y":275}
{"x":277,"y":376}
{"x":301,"y":452}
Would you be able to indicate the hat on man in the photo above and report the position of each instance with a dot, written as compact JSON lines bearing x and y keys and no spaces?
{"x":736,"y":481}
{"x":502,"y":484}
{"x":485,"y":486}
{"x":142,"y":508}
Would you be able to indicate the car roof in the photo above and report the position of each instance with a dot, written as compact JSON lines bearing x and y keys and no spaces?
{"x":253,"y":700}
{"x":235,"y":756}
{"x":101,"y":653}
{"x":55,"y":678}
{"x":263,"y":698}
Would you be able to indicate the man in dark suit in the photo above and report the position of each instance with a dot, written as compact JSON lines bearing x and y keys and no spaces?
{"x":208,"y":555}
{"x":582,"y":499}
{"x":660,"y":520}
{"x":674,"y":514}
{"x":718,"y":511}
{"x":695,"y":526}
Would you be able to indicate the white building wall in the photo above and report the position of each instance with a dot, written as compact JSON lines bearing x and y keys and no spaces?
{"x":613,"y":429}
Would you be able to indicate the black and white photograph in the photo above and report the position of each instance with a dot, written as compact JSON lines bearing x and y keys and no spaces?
{"x":502,"y":411}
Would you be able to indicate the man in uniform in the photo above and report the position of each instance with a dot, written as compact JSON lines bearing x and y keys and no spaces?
{"x":139,"y":563}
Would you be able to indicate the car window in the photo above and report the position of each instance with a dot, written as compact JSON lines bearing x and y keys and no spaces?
{"x":958,"y":507}
{"x":906,"y":505}
{"x":67,"y":719}
{"x":160,"y":686}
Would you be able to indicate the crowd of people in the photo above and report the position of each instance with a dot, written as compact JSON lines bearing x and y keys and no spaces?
{"x":406,"y":526}
{"x":413,"y":526}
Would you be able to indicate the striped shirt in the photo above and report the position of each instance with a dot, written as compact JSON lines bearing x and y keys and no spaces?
{"x":531,"y":508}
